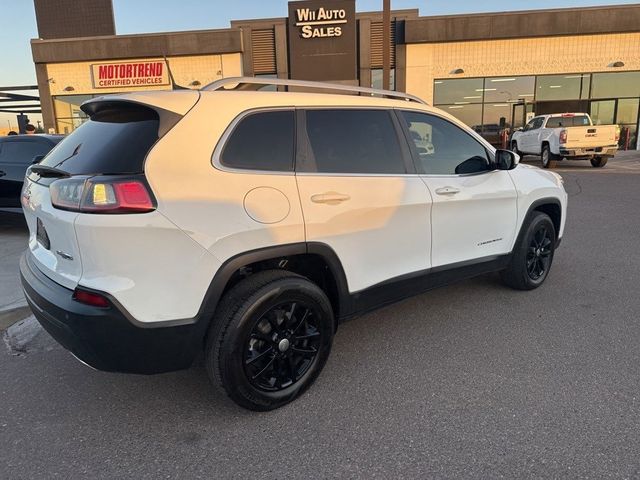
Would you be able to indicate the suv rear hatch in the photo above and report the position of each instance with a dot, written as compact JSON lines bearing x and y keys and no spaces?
{"x":112,"y":146}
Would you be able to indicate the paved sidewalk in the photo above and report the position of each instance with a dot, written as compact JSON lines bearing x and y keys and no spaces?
{"x":14,"y":235}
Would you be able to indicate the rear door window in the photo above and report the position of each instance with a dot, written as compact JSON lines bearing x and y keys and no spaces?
{"x":352,"y":141}
{"x":262,"y":141}
{"x":115,"y":140}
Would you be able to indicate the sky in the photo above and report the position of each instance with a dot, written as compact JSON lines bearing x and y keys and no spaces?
{"x":145,"y":16}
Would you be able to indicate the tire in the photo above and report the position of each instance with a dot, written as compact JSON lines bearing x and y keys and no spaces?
{"x":599,"y":162}
{"x":514,"y":148}
{"x":549,"y":160}
{"x":532,"y":249}
{"x":254,"y":349}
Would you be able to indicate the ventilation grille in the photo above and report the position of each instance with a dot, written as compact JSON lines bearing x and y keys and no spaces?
{"x":263,"y":47}
{"x":376,"y":44}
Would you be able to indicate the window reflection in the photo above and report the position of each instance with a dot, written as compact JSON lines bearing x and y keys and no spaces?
{"x":458,"y":91}
{"x":494,"y":106}
{"x":68,"y":114}
{"x":509,"y":89}
{"x":376,"y":78}
{"x":618,"y":84}
{"x":469,"y":114}
{"x":562,"y":87}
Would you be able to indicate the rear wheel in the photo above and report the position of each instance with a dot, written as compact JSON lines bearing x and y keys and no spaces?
{"x":532,"y":255}
{"x":549,"y":160}
{"x":599,"y":162}
{"x":269,"y":340}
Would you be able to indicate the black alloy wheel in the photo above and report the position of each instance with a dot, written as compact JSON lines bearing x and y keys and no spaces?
{"x":282,"y":346}
{"x":532,"y":253}
{"x":539,"y":253}
{"x":269,"y":339}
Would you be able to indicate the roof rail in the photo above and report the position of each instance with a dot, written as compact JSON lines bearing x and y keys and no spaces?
{"x":252,"y":83}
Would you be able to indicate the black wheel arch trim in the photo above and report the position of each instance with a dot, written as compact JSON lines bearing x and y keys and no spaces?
{"x":533,"y":207}
{"x":233,"y":264}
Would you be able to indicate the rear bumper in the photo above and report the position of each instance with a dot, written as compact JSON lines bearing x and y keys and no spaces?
{"x":104,"y":338}
{"x":589,"y":152}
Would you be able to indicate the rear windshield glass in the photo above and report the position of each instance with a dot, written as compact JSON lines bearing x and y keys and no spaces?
{"x":575,"y":121}
{"x":114,"y":141}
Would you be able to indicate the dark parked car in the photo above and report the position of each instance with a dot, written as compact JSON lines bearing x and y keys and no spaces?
{"x":17,"y":152}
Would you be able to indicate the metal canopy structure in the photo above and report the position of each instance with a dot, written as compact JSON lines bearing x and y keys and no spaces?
{"x":19,"y":103}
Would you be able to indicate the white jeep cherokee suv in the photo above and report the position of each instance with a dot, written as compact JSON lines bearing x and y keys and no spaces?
{"x":248,"y":224}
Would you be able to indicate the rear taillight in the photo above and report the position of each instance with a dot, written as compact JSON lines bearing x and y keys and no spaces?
{"x":103,"y":194}
{"x":90,"y":298}
{"x":563,"y":136}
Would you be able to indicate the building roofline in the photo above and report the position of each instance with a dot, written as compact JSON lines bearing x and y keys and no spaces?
{"x":538,"y":10}
{"x":524,"y":24}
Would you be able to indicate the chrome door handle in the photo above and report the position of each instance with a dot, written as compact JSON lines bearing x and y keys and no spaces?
{"x":330,"y":198}
{"x":447,"y":191}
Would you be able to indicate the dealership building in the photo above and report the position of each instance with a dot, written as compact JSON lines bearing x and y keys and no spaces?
{"x":492,"y":71}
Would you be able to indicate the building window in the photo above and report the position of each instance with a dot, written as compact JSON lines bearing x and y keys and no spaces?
{"x":509,"y":89}
{"x":495,"y":106}
{"x":619,"y":84}
{"x":376,"y":78}
{"x":266,"y":76}
{"x":562,"y":87}
{"x":68,"y":113}
{"x":459,"y":91}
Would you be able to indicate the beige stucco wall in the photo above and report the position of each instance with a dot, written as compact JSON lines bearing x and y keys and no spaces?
{"x":204,"y":68}
{"x":529,"y":56}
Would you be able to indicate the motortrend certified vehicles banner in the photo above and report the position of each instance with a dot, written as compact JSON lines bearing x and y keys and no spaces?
{"x":130,"y":74}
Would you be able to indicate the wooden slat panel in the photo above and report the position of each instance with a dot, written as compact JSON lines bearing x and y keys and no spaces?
{"x":263,"y":46}
{"x":376,"y":44}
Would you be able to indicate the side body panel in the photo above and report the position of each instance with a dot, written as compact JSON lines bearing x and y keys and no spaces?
{"x":153,"y":269}
{"x":225,"y":212}
{"x":534,"y":185}
{"x":478,"y":221}
{"x":382,"y":231}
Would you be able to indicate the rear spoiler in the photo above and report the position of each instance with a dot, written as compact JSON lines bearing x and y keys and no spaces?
{"x":170,"y":106}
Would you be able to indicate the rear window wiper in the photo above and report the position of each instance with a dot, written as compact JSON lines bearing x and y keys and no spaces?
{"x":50,"y":172}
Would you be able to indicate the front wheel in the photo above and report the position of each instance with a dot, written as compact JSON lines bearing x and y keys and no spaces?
{"x":548,"y":158}
{"x":269,"y":339}
{"x":532,"y":255}
{"x":599,"y":162}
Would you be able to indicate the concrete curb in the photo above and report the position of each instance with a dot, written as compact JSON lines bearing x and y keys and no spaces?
{"x":9,"y":317}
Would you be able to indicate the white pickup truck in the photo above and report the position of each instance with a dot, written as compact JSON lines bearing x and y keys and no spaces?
{"x":566,"y":135}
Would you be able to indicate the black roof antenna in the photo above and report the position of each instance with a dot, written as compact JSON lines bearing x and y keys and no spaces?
{"x":174,"y":85}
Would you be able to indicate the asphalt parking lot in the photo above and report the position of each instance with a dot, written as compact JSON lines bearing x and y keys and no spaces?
{"x":469,"y":381}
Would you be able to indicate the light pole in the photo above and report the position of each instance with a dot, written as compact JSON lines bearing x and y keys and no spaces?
{"x":386,"y":44}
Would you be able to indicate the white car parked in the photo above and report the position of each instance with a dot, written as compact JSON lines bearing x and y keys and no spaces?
{"x":566,"y":135}
{"x":249,"y":223}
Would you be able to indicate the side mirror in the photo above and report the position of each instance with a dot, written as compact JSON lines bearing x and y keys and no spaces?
{"x":506,"y":160}
{"x":37,"y":159}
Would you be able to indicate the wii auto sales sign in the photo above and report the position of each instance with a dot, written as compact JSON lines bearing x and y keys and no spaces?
{"x":130,"y":74}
